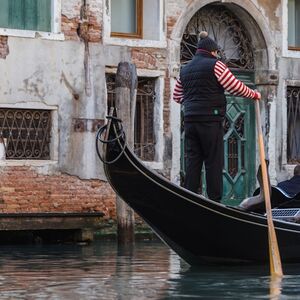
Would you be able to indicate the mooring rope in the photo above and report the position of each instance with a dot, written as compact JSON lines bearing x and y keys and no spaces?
{"x":120,"y":134}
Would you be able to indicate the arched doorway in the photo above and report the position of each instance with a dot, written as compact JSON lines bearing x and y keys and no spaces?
{"x":225,"y":27}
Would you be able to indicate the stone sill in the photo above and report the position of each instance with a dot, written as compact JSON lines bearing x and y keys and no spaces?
{"x":135,"y":42}
{"x":32,"y":34}
{"x":27,"y":163}
{"x":291,"y":53}
{"x":45,"y":167}
{"x":153,"y":165}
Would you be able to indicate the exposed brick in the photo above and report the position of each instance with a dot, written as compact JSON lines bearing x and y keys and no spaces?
{"x":4,"y":50}
{"x":166,"y":112}
{"x":56,"y":193}
{"x":87,"y":28}
{"x":171,"y":20}
{"x":69,"y":27}
{"x":149,"y":58}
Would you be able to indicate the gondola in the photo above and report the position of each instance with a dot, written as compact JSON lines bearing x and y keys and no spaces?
{"x":199,"y":230}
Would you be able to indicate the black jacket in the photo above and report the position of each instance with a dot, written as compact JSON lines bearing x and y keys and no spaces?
{"x":203,"y":95}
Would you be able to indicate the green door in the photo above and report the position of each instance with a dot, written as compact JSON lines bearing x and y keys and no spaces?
{"x":239,"y":147}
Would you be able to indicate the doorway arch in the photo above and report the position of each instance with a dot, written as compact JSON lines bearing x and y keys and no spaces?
{"x":228,"y":25}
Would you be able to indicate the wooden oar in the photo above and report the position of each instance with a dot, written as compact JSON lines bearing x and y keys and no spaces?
{"x":275,"y":261}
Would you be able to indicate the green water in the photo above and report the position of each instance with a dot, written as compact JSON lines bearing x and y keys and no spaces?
{"x":146,"y":270}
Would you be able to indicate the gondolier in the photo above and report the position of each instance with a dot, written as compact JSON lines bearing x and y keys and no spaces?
{"x":201,"y":87}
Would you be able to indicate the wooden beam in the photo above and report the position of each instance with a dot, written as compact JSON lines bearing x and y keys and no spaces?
{"x":126,"y":87}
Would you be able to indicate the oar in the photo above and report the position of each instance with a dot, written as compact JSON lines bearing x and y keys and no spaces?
{"x":275,"y":261}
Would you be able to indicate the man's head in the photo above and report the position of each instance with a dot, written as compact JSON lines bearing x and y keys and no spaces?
{"x":297,"y":170}
{"x":206,"y":43}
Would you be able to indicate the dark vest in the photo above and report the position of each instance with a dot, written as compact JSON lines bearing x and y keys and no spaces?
{"x":203,"y":95}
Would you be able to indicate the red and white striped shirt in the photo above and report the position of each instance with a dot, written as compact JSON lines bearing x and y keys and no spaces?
{"x":228,"y":81}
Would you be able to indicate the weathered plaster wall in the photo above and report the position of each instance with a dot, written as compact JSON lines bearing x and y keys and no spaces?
{"x":68,"y":77}
{"x":269,"y":9}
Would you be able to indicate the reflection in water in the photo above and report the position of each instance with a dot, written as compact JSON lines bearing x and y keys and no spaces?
{"x":147,"y":270}
{"x":275,"y":287}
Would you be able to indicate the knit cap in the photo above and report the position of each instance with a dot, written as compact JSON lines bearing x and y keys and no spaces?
{"x":206,"y":43}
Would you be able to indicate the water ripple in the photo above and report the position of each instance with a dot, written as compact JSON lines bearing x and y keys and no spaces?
{"x":147,"y":270}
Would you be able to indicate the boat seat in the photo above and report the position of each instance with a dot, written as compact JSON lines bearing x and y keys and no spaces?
{"x":279,"y":199}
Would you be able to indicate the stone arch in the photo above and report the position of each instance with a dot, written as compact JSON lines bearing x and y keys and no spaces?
{"x":253,"y":20}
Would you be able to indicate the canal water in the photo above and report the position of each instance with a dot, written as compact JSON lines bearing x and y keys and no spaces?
{"x":147,"y":270}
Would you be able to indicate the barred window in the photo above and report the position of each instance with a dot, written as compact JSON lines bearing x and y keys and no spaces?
{"x":144,"y":135}
{"x":293,"y":124}
{"x":25,"y":133}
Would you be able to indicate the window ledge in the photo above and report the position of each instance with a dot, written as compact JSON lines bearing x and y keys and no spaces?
{"x":135,"y":42}
{"x":32,"y":34}
{"x":43,"y":167}
{"x":153,"y":165}
{"x":292,"y":53}
{"x":27,"y":163}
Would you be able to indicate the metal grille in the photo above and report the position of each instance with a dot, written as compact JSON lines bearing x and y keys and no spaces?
{"x":226,"y":29}
{"x":286,"y":213}
{"x":235,"y":144}
{"x":293,"y":124}
{"x":233,"y":156}
{"x":26,"y":133}
{"x":144,"y":135}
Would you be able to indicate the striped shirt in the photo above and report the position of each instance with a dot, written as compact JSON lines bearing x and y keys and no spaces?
{"x":227,"y":80}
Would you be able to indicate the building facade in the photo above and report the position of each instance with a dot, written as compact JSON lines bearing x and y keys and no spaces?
{"x":58,"y":61}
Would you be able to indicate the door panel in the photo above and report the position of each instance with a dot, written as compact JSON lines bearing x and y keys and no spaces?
{"x":239,"y":146}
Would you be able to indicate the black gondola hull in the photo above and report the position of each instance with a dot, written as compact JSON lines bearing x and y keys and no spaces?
{"x":197,"y":229}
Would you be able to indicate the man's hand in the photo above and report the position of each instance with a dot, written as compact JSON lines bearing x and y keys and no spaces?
{"x":257,"y":95}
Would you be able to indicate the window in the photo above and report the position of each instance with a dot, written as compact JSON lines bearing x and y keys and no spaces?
{"x":26,"y":133}
{"x":294,"y":24}
{"x":26,"y":14}
{"x":144,"y":136}
{"x":127,"y":18}
{"x":293,"y":124}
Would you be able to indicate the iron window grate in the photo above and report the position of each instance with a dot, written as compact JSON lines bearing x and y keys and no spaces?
{"x":144,"y":133}
{"x":293,"y":124}
{"x":26,"y":133}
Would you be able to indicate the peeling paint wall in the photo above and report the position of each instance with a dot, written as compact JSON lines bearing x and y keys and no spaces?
{"x":68,"y":77}
{"x":270,"y":9}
